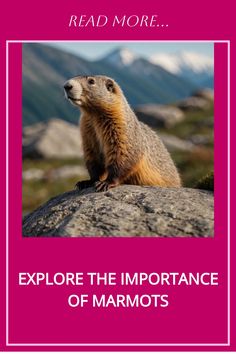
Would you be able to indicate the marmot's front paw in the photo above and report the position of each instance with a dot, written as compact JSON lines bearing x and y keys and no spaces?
{"x":84,"y":184}
{"x":102,"y":186}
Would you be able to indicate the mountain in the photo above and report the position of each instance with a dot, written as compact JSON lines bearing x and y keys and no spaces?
{"x":143,"y":81}
{"x":45,"y":69}
{"x":195,"y":67}
{"x":120,"y":57}
{"x":208,"y":82}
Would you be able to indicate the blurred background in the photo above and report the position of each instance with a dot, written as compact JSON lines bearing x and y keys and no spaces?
{"x":169,"y":86}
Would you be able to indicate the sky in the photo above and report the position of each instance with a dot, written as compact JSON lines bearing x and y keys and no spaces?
{"x":96,"y":50}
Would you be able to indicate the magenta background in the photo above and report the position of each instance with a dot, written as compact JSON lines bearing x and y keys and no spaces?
{"x":41,"y":315}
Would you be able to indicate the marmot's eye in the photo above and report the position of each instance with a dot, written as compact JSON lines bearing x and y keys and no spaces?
{"x":110,"y":85}
{"x":91,"y":81}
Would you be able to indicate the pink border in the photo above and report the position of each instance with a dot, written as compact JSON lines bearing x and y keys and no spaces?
{"x":7,"y":230}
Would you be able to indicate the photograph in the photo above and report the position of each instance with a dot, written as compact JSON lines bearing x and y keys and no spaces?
{"x":118,"y":139}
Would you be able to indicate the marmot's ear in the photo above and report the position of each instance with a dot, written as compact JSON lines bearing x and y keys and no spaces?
{"x":110,"y":85}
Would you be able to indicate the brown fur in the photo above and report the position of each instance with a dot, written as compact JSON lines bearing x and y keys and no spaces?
{"x":113,"y":153}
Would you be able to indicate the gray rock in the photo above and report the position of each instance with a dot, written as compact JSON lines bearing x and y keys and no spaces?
{"x":199,"y":139}
{"x":33,"y":174}
{"x":174,"y":143}
{"x":68,"y":172}
{"x":55,"y":174}
{"x":54,"y":139}
{"x":156,"y":115}
{"x":32,"y":130}
{"x":206,"y":93}
{"x":193,"y":104}
{"x":125,"y":211}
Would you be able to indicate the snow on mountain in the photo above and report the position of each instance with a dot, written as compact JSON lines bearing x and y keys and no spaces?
{"x":121,"y":57}
{"x":178,"y":63}
{"x":196,"y":67}
{"x":192,"y":66}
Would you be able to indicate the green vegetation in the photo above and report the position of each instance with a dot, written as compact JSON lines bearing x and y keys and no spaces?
{"x":196,"y":122}
{"x":197,"y":163}
{"x":193,"y":165}
{"x":206,"y":182}
{"x":50,"y":164}
{"x":37,"y":192}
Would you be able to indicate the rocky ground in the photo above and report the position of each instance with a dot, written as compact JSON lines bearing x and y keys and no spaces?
{"x":53,"y":139}
{"x":125,"y":211}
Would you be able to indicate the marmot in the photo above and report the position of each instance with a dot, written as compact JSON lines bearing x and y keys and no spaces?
{"x":118,"y":148}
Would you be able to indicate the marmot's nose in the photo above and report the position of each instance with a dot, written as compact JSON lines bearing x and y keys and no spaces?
{"x":68,"y":86}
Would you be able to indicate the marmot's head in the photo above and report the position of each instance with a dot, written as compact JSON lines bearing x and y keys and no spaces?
{"x":93,"y":92}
